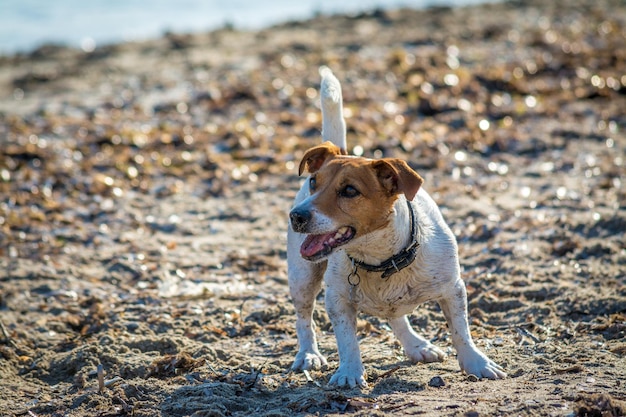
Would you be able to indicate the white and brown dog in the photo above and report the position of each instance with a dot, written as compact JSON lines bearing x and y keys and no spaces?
{"x":378,"y":241}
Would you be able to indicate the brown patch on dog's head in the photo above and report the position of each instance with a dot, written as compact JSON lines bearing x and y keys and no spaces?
{"x":315,"y":157}
{"x":397,"y":177}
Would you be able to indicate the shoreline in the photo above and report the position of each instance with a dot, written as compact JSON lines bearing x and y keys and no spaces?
{"x":127,"y":23}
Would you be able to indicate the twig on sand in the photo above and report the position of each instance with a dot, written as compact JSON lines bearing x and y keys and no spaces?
{"x":26,"y":412}
{"x":113,"y":381}
{"x":257,"y":375}
{"x":125,"y":406}
{"x":309,"y":379}
{"x":524,"y":333}
{"x":6,"y":337}
{"x":388,"y":373}
{"x":101,"y":385}
{"x":240,"y":319}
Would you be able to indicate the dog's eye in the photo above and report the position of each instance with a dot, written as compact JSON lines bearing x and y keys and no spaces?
{"x":349,"y":191}
{"x":312,"y":183}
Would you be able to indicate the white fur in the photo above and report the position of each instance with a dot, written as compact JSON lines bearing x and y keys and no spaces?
{"x":333,"y":122}
{"x":434,"y":275}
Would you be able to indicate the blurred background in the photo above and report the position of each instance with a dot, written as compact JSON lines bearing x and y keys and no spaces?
{"x":27,"y":24}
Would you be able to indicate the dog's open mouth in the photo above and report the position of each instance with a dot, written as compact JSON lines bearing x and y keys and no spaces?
{"x":316,"y":247}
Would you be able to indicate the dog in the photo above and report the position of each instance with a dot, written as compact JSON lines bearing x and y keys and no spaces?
{"x":373,"y":235}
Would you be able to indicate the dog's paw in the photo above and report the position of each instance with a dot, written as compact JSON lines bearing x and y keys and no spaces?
{"x":345,"y":377}
{"x":425,"y":353}
{"x":306,"y":360}
{"x":481,"y":366}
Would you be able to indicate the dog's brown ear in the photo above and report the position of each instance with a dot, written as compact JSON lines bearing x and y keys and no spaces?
{"x":397,"y":177}
{"x":315,"y":157}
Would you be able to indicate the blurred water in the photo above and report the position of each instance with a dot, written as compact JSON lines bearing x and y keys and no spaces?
{"x":26,"y":24}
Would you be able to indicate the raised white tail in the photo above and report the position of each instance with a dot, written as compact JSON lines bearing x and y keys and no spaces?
{"x":333,"y":123}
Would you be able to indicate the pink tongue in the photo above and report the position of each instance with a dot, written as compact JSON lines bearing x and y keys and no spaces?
{"x":314,"y":244}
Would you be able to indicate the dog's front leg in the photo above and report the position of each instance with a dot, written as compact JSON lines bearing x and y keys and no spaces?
{"x":305,"y":282}
{"x":342,"y":314}
{"x":471,"y":359}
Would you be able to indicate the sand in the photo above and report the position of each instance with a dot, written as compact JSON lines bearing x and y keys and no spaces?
{"x":145,"y":188}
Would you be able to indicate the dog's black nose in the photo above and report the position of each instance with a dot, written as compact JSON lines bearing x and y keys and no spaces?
{"x":299,"y":219}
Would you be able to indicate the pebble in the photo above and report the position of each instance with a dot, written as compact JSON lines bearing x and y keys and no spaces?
{"x":437,"y":382}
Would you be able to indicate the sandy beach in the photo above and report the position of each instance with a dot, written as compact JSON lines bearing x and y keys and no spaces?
{"x":145,"y":190}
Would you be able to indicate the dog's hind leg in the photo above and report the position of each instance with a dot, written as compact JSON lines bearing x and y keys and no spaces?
{"x":415,"y":346}
{"x":305,"y":283}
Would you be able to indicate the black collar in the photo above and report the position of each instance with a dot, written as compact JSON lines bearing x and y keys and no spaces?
{"x":398,"y":261}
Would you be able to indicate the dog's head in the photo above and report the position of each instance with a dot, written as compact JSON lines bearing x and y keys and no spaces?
{"x":349,"y":197}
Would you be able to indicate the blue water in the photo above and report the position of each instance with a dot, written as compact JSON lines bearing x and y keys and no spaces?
{"x":26,"y":24}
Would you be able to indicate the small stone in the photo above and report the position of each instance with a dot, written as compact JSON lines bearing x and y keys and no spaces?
{"x":472,"y":378}
{"x":132,"y":326}
{"x":437,"y":382}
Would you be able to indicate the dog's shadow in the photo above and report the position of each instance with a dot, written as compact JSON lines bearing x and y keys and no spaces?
{"x":281,"y":395}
